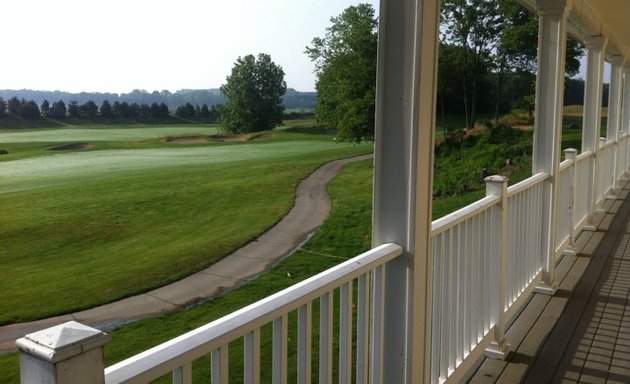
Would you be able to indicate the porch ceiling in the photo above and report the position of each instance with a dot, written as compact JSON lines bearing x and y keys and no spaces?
{"x":616,"y":16}
{"x":610,"y":18}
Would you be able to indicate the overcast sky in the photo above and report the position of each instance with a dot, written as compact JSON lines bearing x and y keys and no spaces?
{"x":121,"y":45}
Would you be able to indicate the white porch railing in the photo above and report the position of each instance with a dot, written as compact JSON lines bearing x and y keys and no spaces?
{"x":177,"y":355}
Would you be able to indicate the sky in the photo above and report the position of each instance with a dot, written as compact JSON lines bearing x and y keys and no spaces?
{"x":121,"y":45}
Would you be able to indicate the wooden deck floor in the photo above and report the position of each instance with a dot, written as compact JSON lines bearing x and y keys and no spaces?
{"x":582,"y":333}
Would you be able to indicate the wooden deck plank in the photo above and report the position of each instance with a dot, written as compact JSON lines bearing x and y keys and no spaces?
{"x":545,"y":330}
{"x":584,"y":307}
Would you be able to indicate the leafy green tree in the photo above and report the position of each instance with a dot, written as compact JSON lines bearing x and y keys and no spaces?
{"x":474,"y":26}
{"x":517,"y":49}
{"x":345,"y":66}
{"x":519,"y":39}
{"x":106,"y":110}
{"x":254,"y":95}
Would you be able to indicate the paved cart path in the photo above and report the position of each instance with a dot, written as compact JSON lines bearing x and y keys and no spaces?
{"x":311,"y":208}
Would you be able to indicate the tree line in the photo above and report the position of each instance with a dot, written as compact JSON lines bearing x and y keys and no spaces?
{"x":291,"y":99}
{"x":29,"y":109}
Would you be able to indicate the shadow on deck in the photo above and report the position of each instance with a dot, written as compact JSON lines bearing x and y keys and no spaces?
{"x":581,"y":334}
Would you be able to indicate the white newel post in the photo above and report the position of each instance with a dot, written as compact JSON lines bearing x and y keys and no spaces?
{"x":68,"y":353}
{"x":403,"y":173}
{"x":604,"y":173}
{"x":552,"y":38}
{"x":497,"y":186}
{"x":591,"y":122}
{"x":571,"y":154}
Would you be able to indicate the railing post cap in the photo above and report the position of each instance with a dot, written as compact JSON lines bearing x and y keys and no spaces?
{"x":496,"y":179}
{"x":570,"y":153}
{"x":62,"y":341}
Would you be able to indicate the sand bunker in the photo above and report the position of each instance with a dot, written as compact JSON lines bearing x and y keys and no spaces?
{"x":241,"y":137}
{"x":72,"y":147}
{"x":187,"y":139}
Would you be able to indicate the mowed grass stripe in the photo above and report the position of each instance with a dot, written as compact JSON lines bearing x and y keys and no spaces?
{"x":58,"y":169}
{"x":103,"y":134}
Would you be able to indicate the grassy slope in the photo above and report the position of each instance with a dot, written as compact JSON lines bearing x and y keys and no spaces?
{"x":344,"y":234}
{"x":94,"y":239}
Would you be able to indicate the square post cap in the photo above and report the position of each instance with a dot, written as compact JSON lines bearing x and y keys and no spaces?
{"x":62,"y":341}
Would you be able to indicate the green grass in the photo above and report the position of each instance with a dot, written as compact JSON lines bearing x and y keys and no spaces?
{"x":104,"y":133}
{"x":65,"y":169}
{"x":31,"y":143}
{"x":92,"y":227}
{"x":345,"y":234}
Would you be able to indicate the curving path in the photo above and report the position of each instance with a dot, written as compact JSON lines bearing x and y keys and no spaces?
{"x":311,"y":208}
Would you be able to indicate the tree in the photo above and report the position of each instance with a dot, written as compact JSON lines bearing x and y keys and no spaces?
{"x":517,"y":47}
{"x":519,"y":39}
{"x":73,"y":109}
{"x":13,"y":106}
{"x":89,"y":109}
{"x":345,"y":67}
{"x":3,"y":107}
{"x":30,"y":110}
{"x":58,"y":110}
{"x":254,"y":93}
{"x":121,"y":110}
{"x":204,"y":111}
{"x":474,"y":26}
{"x":106,"y":110}
{"x":45,"y":107}
{"x":186,"y":111}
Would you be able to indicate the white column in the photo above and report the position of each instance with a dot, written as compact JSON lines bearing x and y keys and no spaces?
{"x":625,"y":116}
{"x":552,"y":38}
{"x":614,"y":98}
{"x":614,"y":114}
{"x":591,"y":122}
{"x":68,"y":353}
{"x":625,"y":109}
{"x":403,"y":173}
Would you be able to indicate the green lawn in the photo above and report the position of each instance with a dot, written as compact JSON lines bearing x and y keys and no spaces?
{"x":94,"y":226}
{"x":104,"y":133}
{"x":345,"y":234}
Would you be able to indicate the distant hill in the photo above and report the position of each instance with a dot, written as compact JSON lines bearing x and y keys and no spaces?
{"x":292,"y":100}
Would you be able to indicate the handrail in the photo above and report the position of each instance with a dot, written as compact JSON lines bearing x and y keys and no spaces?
{"x":565,"y":164}
{"x":584,"y":155}
{"x":174,"y":353}
{"x":527,"y":183}
{"x":442,"y":224}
